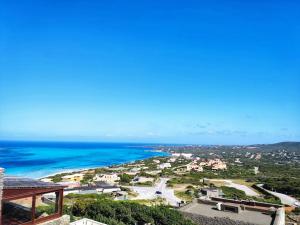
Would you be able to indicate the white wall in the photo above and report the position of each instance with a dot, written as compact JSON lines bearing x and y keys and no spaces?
{"x":86,"y":222}
{"x":280,"y":217}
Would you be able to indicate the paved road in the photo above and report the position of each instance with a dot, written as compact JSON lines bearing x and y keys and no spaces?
{"x":285,"y":199}
{"x":150,"y":192}
{"x":230,"y":183}
{"x":241,"y":187}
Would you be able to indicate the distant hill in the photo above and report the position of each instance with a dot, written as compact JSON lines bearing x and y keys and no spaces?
{"x":287,"y":146}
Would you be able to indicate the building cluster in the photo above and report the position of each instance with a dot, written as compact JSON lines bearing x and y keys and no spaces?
{"x":194,"y":167}
{"x":111,"y":178}
{"x":164,"y":166}
{"x":214,"y":164}
{"x":283,"y":156}
{"x":184,"y":155}
{"x":197,"y":164}
{"x":256,"y":156}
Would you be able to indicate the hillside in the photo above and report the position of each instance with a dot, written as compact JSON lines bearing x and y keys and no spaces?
{"x":287,"y":146}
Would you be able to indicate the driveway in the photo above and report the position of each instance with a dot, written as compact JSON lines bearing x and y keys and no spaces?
{"x":150,"y":192}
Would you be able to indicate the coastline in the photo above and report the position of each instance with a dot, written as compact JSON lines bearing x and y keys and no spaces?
{"x":42,"y":159}
{"x":79,"y":170}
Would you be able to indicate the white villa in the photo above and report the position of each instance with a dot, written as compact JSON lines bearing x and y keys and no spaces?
{"x":172,"y":159}
{"x":219,"y":166}
{"x":156,"y":161}
{"x":215,"y":164}
{"x":164,"y":165}
{"x":107,"y":178}
{"x":184,"y":155}
{"x":194,"y":167}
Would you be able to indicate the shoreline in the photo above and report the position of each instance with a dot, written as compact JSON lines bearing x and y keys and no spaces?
{"x":86,"y":156}
{"x":101,"y":167}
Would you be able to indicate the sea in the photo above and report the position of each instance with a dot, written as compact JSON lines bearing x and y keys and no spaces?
{"x":40,"y":159}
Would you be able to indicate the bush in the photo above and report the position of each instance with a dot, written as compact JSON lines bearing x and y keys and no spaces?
{"x":233,"y":193}
{"x":125,"y":178}
{"x":126,"y":212}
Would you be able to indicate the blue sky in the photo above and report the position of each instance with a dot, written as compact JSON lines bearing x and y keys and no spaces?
{"x":207,"y":72}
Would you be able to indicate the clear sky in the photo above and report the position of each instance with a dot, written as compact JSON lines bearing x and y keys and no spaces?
{"x":207,"y":72}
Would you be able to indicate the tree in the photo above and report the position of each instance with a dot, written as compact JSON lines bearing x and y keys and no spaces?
{"x":125,"y":178}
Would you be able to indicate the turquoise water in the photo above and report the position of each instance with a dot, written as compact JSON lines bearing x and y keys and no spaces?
{"x":38,"y":159}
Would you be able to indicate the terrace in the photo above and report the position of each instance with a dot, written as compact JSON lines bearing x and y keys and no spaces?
{"x":246,"y":216}
{"x":228,"y":211}
{"x":27,"y":201}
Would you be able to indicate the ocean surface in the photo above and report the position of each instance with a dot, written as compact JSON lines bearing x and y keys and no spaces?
{"x":38,"y":159}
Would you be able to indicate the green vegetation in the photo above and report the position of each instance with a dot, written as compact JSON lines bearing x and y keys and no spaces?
{"x":124,"y":212}
{"x":87,"y":178}
{"x":268,"y":199}
{"x":145,"y":174}
{"x":286,"y":185}
{"x":288,"y":146}
{"x":186,"y":179}
{"x":296,"y":211}
{"x":147,"y":183}
{"x":125,"y":178}
{"x":188,"y":195}
{"x":166,"y":172}
{"x":233,"y":193}
{"x":57,"y":178}
{"x":74,"y":197}
{"x":50,"y":209}
{"x":184,"y":195}
{"x":279,"y":167}
{"x":279,"y":170}
{"x":269,"y":168}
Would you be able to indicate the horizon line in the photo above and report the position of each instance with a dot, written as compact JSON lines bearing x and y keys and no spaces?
{"x":132,"y":142}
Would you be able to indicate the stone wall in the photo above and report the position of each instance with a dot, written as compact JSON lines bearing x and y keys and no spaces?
{"x":1,"y":188}
{"x":64,"y":220}
{"x":205,"y":220}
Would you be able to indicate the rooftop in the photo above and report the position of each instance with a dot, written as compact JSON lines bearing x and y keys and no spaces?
{"x":98,"y":185}
{"x":252,"y":217}
{"x":11,"y":182}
